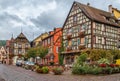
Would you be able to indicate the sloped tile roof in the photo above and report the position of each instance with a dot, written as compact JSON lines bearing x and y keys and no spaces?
{"x":21,"y":36}
{"x":97,"y":14}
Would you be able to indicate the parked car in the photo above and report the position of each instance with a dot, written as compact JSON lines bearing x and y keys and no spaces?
{"x":19,"y":63}
{"x":30,"y":63}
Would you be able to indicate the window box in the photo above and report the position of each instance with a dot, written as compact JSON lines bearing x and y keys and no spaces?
{"x":69,"y":35}
{"x":81,"y":46}
{"x":69,"y":48}
{"x":82,"y":34}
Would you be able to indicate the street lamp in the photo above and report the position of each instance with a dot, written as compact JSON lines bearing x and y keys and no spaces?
{"x":37,"y":59}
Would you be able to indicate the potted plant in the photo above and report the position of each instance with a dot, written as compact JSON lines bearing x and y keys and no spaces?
{"x":57,"y":70}
{"x":45,"y":70}
{"x":39,"y":70}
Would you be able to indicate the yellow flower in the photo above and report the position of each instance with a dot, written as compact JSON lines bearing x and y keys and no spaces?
{"x":118,"y":61}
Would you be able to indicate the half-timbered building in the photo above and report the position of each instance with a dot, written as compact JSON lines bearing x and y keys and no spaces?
{"x":87,"y":27}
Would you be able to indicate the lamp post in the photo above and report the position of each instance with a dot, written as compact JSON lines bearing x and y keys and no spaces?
{"x":37,"y":59}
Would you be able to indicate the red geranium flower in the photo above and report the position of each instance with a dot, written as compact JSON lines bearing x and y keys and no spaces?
{"x":102,"y":65}
{"x":112,"y":65}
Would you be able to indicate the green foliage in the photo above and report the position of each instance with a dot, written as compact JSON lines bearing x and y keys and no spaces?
{"x":81,"y":69}
{"x":96,"y":70}
{"x":42,"y":51}
{"x":31,"y":53}
{"x":103,"y":61}
{"x":57,"y":70}
{"x":82,"y":58}
{"x":37,"y":51}
{"x":61,"y":58}
{"x":78,"y":70}
{"x":2,"y":42}
{"x":45,"y":70}
{"x":97,"y":54}
{"x":39,"y":70}
{"x":107,"y":70}
{"x":116,"y":54}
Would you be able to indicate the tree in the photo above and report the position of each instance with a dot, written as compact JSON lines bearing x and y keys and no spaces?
{"x":42,"y":51}
{"x":31,"y":53}
{"x":61,"y":58}
{"x":37,"y":51}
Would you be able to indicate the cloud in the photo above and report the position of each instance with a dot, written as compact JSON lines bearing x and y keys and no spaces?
{"x":38,"y":16}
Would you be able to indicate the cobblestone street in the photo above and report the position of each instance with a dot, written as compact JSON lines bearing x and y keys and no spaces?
{"x":13,"y":73}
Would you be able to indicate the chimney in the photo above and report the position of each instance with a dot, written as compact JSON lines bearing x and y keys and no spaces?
{"x":88,"y":4}
{"x":110,"y":8}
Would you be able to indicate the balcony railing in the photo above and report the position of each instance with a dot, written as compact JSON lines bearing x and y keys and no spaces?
{"x":81,"y":46}
{"x":82,"y":34}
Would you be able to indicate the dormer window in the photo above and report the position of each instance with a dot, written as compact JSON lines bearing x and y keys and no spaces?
{"x":84,"y":27}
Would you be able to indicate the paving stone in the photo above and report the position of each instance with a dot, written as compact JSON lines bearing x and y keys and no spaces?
{"x":13,"y":73}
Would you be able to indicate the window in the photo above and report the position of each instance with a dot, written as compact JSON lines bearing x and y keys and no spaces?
{"x":23,"y":51}
{"x":94,"y":39}
{"x":118,"y":43}
{"x":15,"y":51}
{"x":26,"y":45}
{"x":72,"y":42}
{"x":15,"y":45}
{"x":74,"y":18}
{"x":86,"y":41}
{"x":84,"y":27}
{"x":78,"y":41}
{"x":57,"y":49}
{"x":19,"y":45}
{"x":48,"y":40}
{"x":19,"y":51}
{"x":66,"y":43}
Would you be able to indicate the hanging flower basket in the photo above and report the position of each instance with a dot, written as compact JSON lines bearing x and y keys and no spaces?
{"x":82,"y":34}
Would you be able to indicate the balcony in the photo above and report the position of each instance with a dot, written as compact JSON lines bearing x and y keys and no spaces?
{"x":82,"y":34}
{"x":69,"y":48}
{"x":81,"y":46}
{"x":69,"y":36}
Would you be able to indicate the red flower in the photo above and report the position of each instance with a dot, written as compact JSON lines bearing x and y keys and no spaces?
{"x":112,"y":65}
{"x":116,"y":65}
{"x":102,"y":65}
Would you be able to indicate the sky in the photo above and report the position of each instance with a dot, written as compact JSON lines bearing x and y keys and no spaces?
{"x":34,"y":17}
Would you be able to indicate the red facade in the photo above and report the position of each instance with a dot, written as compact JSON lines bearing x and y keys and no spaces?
{"x":53,"y":42}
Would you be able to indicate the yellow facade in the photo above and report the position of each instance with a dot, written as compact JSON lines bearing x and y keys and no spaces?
{"x":116,"y":13}
{"x":37,"y":40}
